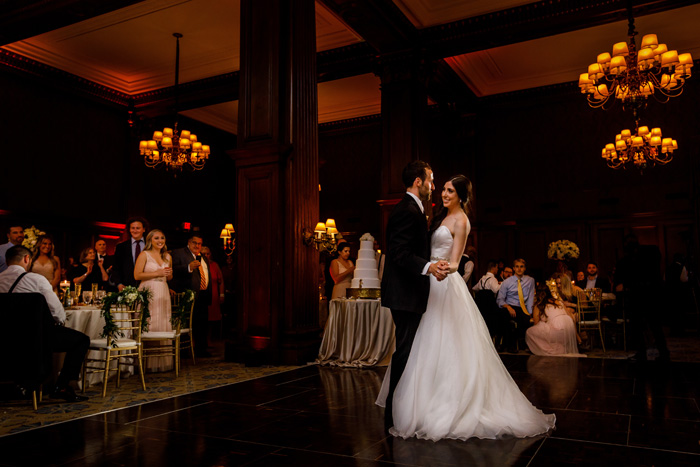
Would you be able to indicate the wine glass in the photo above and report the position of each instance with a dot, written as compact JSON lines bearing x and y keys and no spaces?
{"x":87,"y":297}
{"x":99,"y":296}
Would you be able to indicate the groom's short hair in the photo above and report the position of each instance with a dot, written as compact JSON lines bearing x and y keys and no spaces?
{"x":415,"y":169}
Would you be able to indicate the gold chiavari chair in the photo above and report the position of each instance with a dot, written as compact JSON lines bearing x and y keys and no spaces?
{"x":117,"y":348}
{"x":588,"y":308}
{"x":170,"y":343}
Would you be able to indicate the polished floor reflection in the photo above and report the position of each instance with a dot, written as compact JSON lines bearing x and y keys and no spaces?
{"x":609,"y":412}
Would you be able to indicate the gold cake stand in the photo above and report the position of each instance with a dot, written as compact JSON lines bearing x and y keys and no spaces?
{"x":362,"y":293}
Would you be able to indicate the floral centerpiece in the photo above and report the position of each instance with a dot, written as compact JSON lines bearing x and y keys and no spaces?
{"x":563,"y":250}
{"x":180,"y":314}
{"x":31,"y":236}
{"x":127,"y":297}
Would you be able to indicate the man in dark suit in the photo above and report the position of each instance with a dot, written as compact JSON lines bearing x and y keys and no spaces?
{"x":126,"y":252}
{"x":593,"y":280}
{"x":405,"y":282}
{"x":191,"y":271}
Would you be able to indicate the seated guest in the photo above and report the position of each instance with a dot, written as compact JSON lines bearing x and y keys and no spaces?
{"x":17,"y":279}
{"x":15,"y":236}
{"x":342,"y":269}
{"x":505,"y":273}
{"x":554,"y":330}
{"x":515,"y":299}
{"x":594,"y":281}
{"x":87,"y":272}
{"x":567,"y":292}
{"x":580,"y":276}
{"x":485,"y":292}
{"x":44,"y":261}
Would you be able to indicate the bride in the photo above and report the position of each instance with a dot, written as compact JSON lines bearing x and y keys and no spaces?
{"x":455,"y":385}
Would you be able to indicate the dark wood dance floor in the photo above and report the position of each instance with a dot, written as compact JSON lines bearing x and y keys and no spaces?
{"x":609,"y":412}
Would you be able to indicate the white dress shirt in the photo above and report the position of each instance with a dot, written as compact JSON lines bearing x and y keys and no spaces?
{"x":420,"y":205}
{"x":32,"y":283}
{"x":488,"y":282}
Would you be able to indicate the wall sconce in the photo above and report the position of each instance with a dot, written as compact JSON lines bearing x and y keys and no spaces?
{"x":228,"y":234}
{"x":324,"y":237}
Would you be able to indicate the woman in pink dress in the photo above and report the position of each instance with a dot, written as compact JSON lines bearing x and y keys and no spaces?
{"x":554,"y":332}
{"x":154,"y":268}
{"x":217,"y":292}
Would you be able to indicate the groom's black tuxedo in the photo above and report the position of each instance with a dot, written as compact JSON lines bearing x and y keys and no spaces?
{"x":404,"y":287}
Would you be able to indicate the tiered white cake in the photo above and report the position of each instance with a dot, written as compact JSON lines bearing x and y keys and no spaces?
{"x":366,"y":271}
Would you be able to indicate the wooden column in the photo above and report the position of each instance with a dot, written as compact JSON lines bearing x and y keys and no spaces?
{"x":404,"y":106}
{"x":277,"y":183}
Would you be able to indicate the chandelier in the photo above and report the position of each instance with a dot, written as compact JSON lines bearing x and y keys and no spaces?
{"x":173,"y":148}
{"x":644,"y":148}
{"x":631,"y":76}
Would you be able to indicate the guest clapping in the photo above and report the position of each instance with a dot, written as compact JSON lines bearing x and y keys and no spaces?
{"x":44,"y":261}
{"x":342,"y":269}
{"x":87,"y":272}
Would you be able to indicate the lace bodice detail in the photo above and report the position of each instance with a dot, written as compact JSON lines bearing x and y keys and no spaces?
{"x":441,"y":244}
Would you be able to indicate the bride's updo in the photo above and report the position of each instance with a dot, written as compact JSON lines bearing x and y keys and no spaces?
{"x":463,"y":188}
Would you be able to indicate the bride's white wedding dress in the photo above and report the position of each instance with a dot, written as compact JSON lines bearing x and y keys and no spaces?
{"x":455,"y":385}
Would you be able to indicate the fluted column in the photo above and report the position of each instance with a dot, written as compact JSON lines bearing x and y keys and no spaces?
{"x":277,"y":182}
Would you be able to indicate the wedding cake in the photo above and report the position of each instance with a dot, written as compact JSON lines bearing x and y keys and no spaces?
{"x":365,"y":281}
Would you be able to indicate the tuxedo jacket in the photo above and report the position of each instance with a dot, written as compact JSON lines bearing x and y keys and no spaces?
{"x":123,"y":265}
{"x":404,"y":287}
{"x":184,"y":279}
{"x":600,"y":283}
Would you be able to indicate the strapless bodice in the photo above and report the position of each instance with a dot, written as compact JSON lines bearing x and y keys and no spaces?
{"x":441,"y":244}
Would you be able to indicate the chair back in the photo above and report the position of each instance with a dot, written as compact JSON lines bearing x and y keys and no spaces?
{"x":24,"y":347}
{"x":588,"y":307}
{"x":186,"y":321}
{"x":128,"y":319}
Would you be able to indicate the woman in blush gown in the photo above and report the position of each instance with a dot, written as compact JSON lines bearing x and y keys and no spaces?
{"x":154,"y":268}
{"x":554,"y":332}
{"x":455,"y":385}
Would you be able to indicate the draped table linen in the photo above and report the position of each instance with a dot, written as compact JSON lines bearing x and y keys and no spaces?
{"x":359,"y":333}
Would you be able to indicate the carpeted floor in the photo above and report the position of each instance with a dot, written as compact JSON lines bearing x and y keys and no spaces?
{"x":18,"y":415}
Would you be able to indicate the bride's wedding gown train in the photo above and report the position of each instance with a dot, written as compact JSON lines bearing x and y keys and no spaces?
{"x":455,"y":385}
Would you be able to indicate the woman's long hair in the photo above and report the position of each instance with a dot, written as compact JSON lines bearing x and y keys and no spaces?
{"x":149,"y":244}
{"x":37,"y":251}
{"x":463,"y":188}
{"x":543,"y":297}
{"x":566,"y":291}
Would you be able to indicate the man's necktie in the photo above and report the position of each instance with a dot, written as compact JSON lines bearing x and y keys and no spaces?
{"x":521,"y":297}
{"x":202,"y":276}
{"x":137,"y":250}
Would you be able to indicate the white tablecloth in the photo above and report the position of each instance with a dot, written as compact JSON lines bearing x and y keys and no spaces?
{"x":358,"y":333}
{"x":87,"y":320}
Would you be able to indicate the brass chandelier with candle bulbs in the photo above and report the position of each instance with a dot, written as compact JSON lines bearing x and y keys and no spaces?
{"x":171,"y":147}
{"x":632,"y":77}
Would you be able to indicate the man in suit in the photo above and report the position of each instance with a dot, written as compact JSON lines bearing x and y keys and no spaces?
{"x":126,"y":252}
{"x":405,"y":283}
{"x":594,"y":281}
{"x":101,"y":257}
{"x":191,"y":271}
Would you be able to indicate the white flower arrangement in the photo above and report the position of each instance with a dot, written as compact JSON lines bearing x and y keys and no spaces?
{"x":367,"y":238}
{"x":563,"y":250}
{"x":31,"y":236}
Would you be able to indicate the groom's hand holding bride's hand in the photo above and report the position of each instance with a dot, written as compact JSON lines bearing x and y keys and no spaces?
{"x":439,"y":269}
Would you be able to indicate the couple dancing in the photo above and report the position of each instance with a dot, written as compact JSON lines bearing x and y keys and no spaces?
{"x":445,"y":379}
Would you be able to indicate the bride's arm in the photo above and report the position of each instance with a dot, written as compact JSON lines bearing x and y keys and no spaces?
{"x":461,"y":232}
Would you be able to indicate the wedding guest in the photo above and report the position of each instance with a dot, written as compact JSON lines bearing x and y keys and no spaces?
{"x":217,"y":292}
{"x":15,"y":236}
{"x":342,"y":269}
{"x":593,"y":281}
{"x":580,"y":276}
{"x":101,"y":250}
{"x":126,"y":252}
{"x":506,"y":272}
{"x":485,"y":292}
{"x":87,"y":272}
{"x":568,"y":293}
{"x":153,"y":269}
{"x":515,"y":299}
{"x":17,"y":279}
{"x":45,"y":262}
{"x":192,"y":271}
{"x":554,"y":329}
{"x":466,"y":265}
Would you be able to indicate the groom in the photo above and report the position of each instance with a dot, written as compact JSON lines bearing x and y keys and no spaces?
{"x":405,"y":283}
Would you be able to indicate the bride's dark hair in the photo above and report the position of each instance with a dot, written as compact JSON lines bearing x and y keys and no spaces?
{"x":463,"y":188}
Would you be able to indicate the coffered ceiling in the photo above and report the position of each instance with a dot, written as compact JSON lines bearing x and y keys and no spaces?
{"x":513,"y":45}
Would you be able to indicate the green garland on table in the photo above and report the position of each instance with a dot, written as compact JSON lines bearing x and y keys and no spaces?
{"x":127,"y":297}
{"x":180,"y":314}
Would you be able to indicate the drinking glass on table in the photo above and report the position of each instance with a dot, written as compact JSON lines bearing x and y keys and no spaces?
{"x":99,"y":296}
{"x":87,"y":297}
